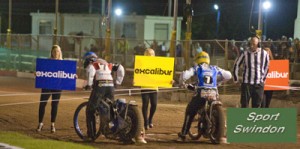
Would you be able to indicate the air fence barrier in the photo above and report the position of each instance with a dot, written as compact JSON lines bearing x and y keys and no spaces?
{"x":26,"y":48}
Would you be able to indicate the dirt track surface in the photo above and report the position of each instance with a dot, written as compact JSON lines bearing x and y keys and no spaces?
{"x":23,"y":118}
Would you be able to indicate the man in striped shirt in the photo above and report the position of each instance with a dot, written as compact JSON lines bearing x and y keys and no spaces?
{"x":255,"y":68}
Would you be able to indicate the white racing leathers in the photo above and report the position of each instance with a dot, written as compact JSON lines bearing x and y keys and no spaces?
{"x":103,"y":84}
{"x":101,"y":72}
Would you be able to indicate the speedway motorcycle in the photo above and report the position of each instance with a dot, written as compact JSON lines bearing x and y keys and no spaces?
{"x":209,"y":121}
{"x":117,"y":120}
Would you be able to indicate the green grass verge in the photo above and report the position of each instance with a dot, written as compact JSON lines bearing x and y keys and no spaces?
{"x":23,"y":141}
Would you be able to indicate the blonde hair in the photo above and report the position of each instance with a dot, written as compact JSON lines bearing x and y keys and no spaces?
{"x":56,"y":47}
{"x":149,"y":52}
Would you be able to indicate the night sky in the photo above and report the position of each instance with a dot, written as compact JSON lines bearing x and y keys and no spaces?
{"x":234,"y":20}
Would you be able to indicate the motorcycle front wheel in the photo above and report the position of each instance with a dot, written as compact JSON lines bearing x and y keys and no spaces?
{"x":218,"y":124}
{"x":81,"y":125}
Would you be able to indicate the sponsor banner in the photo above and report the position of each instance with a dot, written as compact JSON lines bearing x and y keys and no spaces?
{"x":261,"y":125}
{"x":153,"y":71}
{"x":55,"y":74}
{"x":278,"y":75}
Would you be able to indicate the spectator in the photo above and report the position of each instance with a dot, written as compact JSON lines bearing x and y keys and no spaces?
{"x":244,"y":46}
{"x":207,"y":48}
{"x":197,"y":49}
{"x":178,"y":50}
{"x":290,"y":51}
{"x":297,"y":50}
{"x":94,"y":48}
{"x":233,"y":52}
{"x":270,"y":44}
{"x":154,"y":45}
{"x":284,"y":47}
{"x":139,"y":49}
{"x":278,"y":51}
{"x":163,"y":49}
{"x":122,"y":48}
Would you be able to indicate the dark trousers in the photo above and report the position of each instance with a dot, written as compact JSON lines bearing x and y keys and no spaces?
{"x":191,"y":110}
{"x":97,"y":94}
{"x":148,"y":95}
{"x":267,"y":99}
{"x":45,"y":95}
{"x":254,"y":92}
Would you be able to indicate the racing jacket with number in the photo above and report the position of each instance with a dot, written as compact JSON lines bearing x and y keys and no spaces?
{"x":208,"y":76}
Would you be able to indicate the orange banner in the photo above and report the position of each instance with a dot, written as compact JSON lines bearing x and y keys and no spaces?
{"x":278,"y":76}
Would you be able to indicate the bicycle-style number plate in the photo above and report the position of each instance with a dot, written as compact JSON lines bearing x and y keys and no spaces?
{"x":209,"y":94}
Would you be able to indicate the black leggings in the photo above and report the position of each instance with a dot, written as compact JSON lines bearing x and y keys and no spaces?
{"x":146,"y":96}
{"x":45,"y":95}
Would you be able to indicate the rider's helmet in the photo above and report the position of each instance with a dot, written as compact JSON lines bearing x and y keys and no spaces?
{"x":88,"y":58}
{"x":202,"y":57}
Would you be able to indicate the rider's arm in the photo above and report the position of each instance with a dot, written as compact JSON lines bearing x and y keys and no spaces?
{"x":223,"y":75}
{"x":187,"y":74}
{"x":120,"y":73}
{"x":238,"y":62}
{"x":90,"y":73}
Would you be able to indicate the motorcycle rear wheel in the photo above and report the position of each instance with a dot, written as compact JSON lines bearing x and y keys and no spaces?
{"x":135,"y":125}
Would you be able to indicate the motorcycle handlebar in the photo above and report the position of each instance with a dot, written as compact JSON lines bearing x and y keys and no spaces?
{"x":189,"y":86}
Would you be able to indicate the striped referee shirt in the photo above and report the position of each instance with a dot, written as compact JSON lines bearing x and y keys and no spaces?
{"x":256,"y":65}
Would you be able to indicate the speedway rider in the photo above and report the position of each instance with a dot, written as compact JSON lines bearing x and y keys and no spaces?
{"x":103,"y":87}
{"x":208,"y":76}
